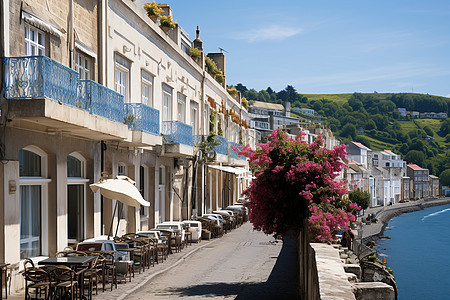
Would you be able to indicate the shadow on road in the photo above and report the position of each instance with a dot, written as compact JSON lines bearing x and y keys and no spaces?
{"x":281,"y":284}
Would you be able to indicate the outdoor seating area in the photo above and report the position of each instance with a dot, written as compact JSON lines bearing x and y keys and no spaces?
{"x":101,"y":264}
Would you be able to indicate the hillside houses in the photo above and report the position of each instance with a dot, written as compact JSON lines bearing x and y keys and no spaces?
{"x":387,"y":177}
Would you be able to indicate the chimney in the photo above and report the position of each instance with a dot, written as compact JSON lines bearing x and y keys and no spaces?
{"x":198,"y":42}
{"x":287,"y":109}
{"x":219,"y":59}
{"x":167,"y":11}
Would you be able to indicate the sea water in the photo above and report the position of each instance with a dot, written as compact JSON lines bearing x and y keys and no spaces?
{"x":419,"y":253}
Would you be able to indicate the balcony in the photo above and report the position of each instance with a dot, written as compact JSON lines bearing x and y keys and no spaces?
{"x":233,"y":153}
{"x":219,"y":149}
{"x":100,"y":101}
{"x":34,"y":77}
{"x":177,"y":138}
{"x":143,"y":120}
{"x":51,"y":95}
{"x":142,"y":117}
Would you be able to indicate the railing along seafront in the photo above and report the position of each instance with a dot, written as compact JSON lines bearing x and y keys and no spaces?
{"x":176,"y":132}
{"x":221,"y":148}
{"x":142,"y":117}
{"x":233,"y":153}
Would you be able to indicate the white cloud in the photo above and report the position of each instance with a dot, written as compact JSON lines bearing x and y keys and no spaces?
{"x":273,"y":32}
{"x":448,"y":96}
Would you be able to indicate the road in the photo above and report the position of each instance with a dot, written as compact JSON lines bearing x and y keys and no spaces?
{"x":243,"y":264}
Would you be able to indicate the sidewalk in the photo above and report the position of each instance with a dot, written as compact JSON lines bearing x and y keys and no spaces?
{"x":139,"y":279}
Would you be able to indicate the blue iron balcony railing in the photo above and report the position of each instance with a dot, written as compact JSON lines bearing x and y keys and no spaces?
{"x":221,"y":148}
{"x":142,"y":117}
{"x":176,"y":132}
{"x":100,"y":100}
{"x":233,"y":153}
{"x":39,"y":77}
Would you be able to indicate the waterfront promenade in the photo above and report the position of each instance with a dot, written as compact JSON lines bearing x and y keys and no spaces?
{"x":385,"y":213}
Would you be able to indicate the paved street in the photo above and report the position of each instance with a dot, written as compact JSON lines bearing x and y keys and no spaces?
{"x":241,"y":265}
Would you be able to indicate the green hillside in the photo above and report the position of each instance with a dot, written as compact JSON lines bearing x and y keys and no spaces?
{"x":339,"y":98}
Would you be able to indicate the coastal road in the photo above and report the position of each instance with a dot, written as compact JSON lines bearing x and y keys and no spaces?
{"x":243,"y":264}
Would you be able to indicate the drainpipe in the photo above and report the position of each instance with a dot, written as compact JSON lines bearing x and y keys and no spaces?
{"x":102,"y":169}
{"x":71,"y":35}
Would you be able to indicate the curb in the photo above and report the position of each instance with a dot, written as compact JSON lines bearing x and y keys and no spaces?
{"x":180,"y":260}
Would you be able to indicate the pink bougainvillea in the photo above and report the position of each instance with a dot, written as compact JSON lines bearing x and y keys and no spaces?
{"x":295,"y":181}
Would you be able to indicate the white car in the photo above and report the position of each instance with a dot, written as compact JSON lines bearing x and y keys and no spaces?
{"x":174,"y":226}
{"x":214,"y":217}
{"x":195,"y":227}
{"x":151,"y":234}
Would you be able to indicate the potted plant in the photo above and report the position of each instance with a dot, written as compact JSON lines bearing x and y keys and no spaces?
{"x":130,"y":120}
{"x":153,"y":10}
{"x":167,"y":23}
{"x":195,"y":53}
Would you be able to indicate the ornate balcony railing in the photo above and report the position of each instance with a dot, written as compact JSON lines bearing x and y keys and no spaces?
{"x":101,"y":101}
{"x":40,"y":77}
{"x":233,"y":153}
{"x":176,"y":132}
{"x":142,"y":117}
{"x":221,"y":148}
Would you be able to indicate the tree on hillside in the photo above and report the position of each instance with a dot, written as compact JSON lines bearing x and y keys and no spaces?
{"x":445,"y":127}
{"x":416,"y":157}
{"x":241,"y":88}
{"x":270,"y":91}
{"x":362,"y":198}
{"x":349,"y":130}
{"x":444,"y":178}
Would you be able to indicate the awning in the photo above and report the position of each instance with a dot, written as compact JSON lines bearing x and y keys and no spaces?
{"x":237,"y":171}
{"x":41,"y":24}
{"x":122,"y":189}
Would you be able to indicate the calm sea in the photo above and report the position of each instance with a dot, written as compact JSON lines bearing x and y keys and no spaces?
{"x":419,"y":253}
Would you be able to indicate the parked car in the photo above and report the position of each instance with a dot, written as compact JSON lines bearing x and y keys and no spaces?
{"x":195,"y":227}
{"x":151,"y":234}
{"x":102,"y":243}
{"x":174,"y":226}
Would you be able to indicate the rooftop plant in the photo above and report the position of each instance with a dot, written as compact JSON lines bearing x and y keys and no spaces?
{"x":244,"y":103}
{"x":194,"y":52}
{"x":167,"y":21}
{"x":211,"y":66}
{"x":220,"y":78}
{"x":232,"y":91}
{"x":153,"y":10}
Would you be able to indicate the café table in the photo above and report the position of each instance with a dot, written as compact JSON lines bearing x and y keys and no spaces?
{"x":77,"y":263}
{"x":3,"y":270}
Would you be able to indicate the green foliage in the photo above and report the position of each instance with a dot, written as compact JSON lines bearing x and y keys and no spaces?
{"x":416,"y":157}
{"x":244,"y":103}
{"x":232,"y":91}
{"x":167,"y":21}
{"x":212,"y":122}
{"x":349,"y":130}
{"x":444,"y":178}
{"x":211,"y":66}
{"x":219,"y":128}
{"x":362,"y":198}
{"x":445,"y":127}
{"x":194,"y":52}
{"x":153,"y":9}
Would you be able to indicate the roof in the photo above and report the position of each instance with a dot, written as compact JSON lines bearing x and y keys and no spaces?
{"x":268,"y":105}
{"x":433,"y":177}
{"x":416,"y":167}
{"x":359,"y":145}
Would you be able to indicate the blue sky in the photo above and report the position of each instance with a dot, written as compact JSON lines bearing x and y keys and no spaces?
{"x":327,"y":46}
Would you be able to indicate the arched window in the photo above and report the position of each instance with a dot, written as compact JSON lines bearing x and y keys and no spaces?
{"x":33,"y":202}
{"x":76,"y":213}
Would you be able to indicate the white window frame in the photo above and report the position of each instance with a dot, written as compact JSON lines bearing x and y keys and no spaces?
{"x":43,"y":182}
{"x":39,"y":48}
{"x":79,"y":181}
{"x":194,"y":117}
{"x":167,"y":102}
{"x":147,"y":85}
{"x":83,"y":66}
{"x":181,"y":107}
{"x":122,"y":76}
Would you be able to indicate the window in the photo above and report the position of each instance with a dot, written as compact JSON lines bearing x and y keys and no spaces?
{"x":194,"y":117}
{"x":83,"y":66}
{"x":34,"y":41}
{"x":147,"y":89}
{"x":167,"y":102}
{"x":142,"y":190}
{"x":181,"y":108}
{"x":387,"y":164}
{"x":76,"y":166}
{"x":33,"y":202}
{"x":122,"y":73}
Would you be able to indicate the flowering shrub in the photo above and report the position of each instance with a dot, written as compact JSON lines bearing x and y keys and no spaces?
{"x":294,"y":181}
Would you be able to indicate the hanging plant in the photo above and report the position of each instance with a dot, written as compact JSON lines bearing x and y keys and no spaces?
{"x":212,"y":122}
{"x":219,"y":128}
{"x":166,"y":21}
{"x":244,"y":103}
{"x":195,"y":53}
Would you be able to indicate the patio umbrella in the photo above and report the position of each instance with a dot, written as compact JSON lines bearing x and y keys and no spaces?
{"x":122,"y":189}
